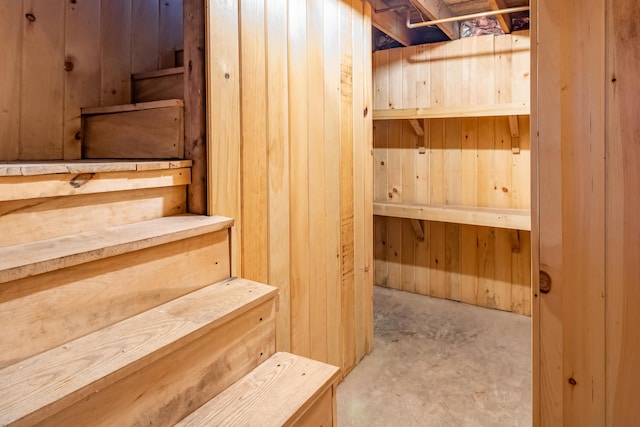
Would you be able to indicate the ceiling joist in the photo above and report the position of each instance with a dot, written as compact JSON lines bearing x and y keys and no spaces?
{"x":503,"y":20}
{"x":437,"y":9}
{"x":392,"y":25}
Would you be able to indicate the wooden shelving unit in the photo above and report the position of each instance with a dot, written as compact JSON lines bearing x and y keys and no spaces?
{"x":493,"y":110}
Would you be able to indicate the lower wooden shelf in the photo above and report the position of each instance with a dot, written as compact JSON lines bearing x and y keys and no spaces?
{"x":515,"y":219}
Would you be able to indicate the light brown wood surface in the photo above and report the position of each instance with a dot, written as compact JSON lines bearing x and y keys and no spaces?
{"x":71,"y":373}
{"x":158,"y":85}
{"x":278,"y":392}
{"x":37,"y":257}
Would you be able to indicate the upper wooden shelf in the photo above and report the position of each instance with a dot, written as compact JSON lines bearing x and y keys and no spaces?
{"x":515,"y":219}
{"x":453,"y":112}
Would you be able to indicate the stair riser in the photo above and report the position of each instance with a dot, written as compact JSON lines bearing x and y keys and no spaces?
{"x":156,"y":133}
{"x":37,"y":219}
{"x":170,"y":388}
{"x":40,"y":312}
{"x":158,"y":88}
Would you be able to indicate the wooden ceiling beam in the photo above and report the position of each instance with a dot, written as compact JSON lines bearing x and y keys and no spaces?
{"x":393,"y":25}
{"x":503,"y":20}
{"x":437,"y":9}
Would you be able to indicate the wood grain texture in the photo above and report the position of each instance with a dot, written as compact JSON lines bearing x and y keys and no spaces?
{"x":11,"y":23}
{"x":291,"y":385}
{"x":76,"y":301}
{"x":97,"y":360}
{"x":155,"y":87}
{"x":171,"y":34}
{"x":115,"y":43}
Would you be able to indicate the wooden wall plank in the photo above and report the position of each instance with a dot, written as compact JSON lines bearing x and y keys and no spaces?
{"x":82,"y":82}
{"x":299,"y":187}
{"x":41,"y":107}
{"x":278,"y":173}
{"x":408,"y":193}
{"x":145,"y":35}
{"x":116,"y":52}
{"x":11,"y":23}
{"x":171,"y":32}
{"x":381,"y":79}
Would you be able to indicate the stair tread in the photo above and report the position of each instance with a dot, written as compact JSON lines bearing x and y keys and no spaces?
{"x":274,"y":393}
{"x":132,"y":107}
{"x":28,"y":259}
{"x":87,"y":166}
{"x":57,"y":378}
{"x":158,"y":73}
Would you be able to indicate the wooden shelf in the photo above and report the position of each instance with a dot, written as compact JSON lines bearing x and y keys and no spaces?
{"x":515,"y":219}
{"x":453,"y":112}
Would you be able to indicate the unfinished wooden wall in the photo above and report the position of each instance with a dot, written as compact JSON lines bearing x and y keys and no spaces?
{"x":61,"y":55}
{"x":587,"y":328}
{"x":458,"y":161}
{"x":290,"y":153}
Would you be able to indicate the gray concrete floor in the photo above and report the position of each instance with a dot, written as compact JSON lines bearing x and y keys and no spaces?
{"x":440,"y":363}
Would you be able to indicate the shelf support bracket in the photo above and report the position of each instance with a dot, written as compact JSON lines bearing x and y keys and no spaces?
{"x":417,"y":228}
{"x":515,"y":134}
{"x":415,"y":124}
{"x":515,"y":241}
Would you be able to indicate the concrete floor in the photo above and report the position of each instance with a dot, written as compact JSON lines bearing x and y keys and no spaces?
{"x":440,"y":363}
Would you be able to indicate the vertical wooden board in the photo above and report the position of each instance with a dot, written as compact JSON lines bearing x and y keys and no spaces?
{"x":503,"y":274}
{"x":380,"y":252}
{"x":116,"y":52}
{"x":278,"y":165}
{"x":452,"y":162}
{"x":194,"y":88}
{"x":332,"y":180}
{"x":437,"y":74}
{"x":423,"y":76}
{"x":145,"y":35}
{"x":486,"y":296}
{"x":368,"y":179}
{"x":42,"y":97}
{"x":486,"y":181}
{"x":395,"y":79}
{"x":380,"y":152}
{"x":346,"y":187}
{"x":253,"y":107}
{"x":521,"y":168}
{"x":521,"y":273}
{"x":409,"y":153}
{"x":437,"y":261}
{"x":171,"y":33}
{"x":452,"y":263}
{"x":623,"y":226}
{"x":453,"y":74}
{"x":299,"y":184}
{"x":317,"y":206}
{"x":82,"y":82}
{"x":394,"y":256}
{"x":469,"y":264}
{"x":381,"y":79}
{"x":358,"y":34}
{"x":436,"y":161}
{"x":503,"y":69}
{"x":423,"y":197}
{"x":223,"y":103}
{"x":394,"y":160}
{"x":502,"y":165}
{"x":409,"y":77}
{"x":469,"y":162}
{"x":521,"y":68}
{"x":485,"y":81}
{"x":11,"y":23}
{"x":469,"y":71}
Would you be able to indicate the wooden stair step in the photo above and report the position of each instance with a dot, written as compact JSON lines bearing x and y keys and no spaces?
{"x":158,"y":85}
{"x":29,"y":259}
{"x":54,"y":167}
{"x":43,"y":385}
{"x":284,"y":390}
{"x":144,"y":130}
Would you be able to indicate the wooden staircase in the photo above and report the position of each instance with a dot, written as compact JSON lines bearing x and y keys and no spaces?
{"x":117,"y":308}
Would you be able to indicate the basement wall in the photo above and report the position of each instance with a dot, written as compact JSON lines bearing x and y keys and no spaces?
{"x":60,"y":56}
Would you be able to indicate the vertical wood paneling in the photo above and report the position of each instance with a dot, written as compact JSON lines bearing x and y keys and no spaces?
{"x":11,"y":23}
{"x":116,"y":52}
{"x":278,"y":130}
{"x":299,"y":187}
{"x":41,"y":108}
{"x":253,"y":105}
{"x":170,"y":32}
{"x":82,"y":82}
{"x":145,"y":34}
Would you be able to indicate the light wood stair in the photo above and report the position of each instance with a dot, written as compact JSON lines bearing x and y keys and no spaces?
{"x":145,"y":130}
